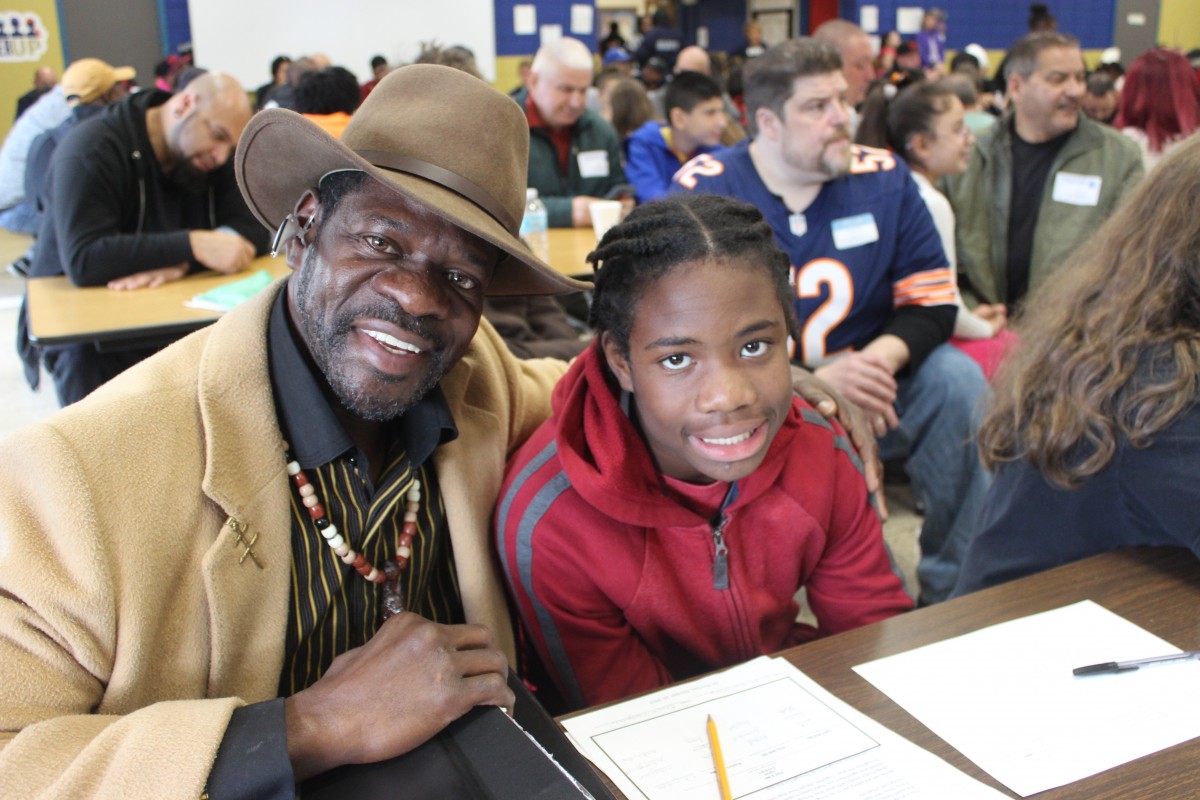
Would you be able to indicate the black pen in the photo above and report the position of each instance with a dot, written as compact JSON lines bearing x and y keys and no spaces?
{"x":1127,"y":666}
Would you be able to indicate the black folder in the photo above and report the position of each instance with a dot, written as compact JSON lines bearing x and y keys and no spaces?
{"x":481,"y":756}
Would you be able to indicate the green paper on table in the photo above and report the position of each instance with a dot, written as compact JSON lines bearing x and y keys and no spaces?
{"x":229,"y":295}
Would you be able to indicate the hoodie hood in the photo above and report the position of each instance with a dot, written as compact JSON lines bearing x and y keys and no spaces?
{"x":608,"y":461}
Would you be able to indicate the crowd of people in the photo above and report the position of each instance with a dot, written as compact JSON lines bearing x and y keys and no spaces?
{"x":415,"y":458}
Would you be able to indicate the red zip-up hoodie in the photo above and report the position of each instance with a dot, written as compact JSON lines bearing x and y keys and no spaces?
{"x":622,"y":585}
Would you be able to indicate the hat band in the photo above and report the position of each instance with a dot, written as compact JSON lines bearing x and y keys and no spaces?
{"x":443,"y":177}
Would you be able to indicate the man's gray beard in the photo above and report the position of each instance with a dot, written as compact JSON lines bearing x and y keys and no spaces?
{"x":835,"y":169}
{"x":327,"y":344}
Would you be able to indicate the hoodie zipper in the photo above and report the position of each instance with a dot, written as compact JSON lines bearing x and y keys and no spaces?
{"x":721,"y":550}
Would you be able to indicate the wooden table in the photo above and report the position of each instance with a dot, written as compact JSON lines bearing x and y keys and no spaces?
{"x":63,"y":313}
{"x":569,"y":248}
{"x":1156,"y":588}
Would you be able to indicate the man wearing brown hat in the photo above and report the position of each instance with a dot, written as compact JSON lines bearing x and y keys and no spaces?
{"x":196,"y":561}
{"x":138,"y":196}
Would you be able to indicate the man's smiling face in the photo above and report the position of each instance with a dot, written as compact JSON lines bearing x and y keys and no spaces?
{"x":387,"y":296}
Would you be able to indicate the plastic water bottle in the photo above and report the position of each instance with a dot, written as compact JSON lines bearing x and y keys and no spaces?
{"x":535,"y":226}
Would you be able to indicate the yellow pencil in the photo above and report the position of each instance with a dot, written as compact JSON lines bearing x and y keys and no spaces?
{"x":718,"y":760}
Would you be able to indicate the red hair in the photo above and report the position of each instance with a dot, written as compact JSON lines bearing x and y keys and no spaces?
{"x":1161,"y":97}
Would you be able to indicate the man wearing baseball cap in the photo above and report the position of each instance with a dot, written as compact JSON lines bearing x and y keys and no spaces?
{"x":199,"y":560}
{"x":88,"y":85}
{"x":90,"y":80}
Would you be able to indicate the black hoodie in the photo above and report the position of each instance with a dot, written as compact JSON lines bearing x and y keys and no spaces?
{"x":112,"y":211}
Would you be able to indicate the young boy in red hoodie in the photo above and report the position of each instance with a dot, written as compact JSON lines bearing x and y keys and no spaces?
{"x":660,"y":523}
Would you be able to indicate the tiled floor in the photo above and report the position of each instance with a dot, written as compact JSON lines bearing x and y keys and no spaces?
{"x":19,"y":403}
{"x":21,"y":406}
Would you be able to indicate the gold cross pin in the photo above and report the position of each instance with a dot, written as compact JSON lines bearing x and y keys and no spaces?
{"x":240,"y":530}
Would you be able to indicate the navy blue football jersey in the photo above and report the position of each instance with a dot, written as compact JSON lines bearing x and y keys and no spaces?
{"x":864,"y":247}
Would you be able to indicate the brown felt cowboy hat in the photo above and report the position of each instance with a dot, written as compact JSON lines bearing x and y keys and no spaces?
{"x":436,"y":135}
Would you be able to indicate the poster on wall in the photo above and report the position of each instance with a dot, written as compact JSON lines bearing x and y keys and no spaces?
{"x":626,"y":20}
{"x":29,"y":40}
{"x":776,"y":25}
{"x":23,"y":37}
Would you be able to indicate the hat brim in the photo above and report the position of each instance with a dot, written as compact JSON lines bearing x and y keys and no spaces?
{"x":124,"y":73}
{"x":281,"y":154}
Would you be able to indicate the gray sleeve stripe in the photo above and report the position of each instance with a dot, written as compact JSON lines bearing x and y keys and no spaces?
{"x":843,"y":444}
{"x":554,"y":644}
{"x":548,"y":452}
{"x":815,"y":418}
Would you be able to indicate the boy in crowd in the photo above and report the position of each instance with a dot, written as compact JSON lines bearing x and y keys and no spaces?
{"x":696,"y":119}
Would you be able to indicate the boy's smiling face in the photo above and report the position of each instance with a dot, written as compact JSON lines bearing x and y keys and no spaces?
{"x":708,"y":369}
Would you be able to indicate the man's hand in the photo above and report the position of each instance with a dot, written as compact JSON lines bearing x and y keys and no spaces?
{"x":996,"y":315}
{"x":829,"y":403}
{"x":220,"y":250}
{"x":392,"y":694}
{"x":867,"y":381}
{"x":149,"y":279}
{"x":581,"y":211}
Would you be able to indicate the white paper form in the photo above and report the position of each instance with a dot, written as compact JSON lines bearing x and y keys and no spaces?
{"x":783,"y":737}
{"x":1006,"y":698}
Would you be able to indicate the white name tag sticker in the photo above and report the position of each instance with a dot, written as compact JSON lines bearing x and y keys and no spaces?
{"x":593,"y":164}
{"x":855,"y":231}
{"x":1077,"y":190}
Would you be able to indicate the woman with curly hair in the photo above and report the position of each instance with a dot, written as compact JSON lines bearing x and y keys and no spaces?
{"x":1095,"y":429}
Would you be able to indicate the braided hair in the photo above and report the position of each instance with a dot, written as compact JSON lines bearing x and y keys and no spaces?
{"x":658,"y":237}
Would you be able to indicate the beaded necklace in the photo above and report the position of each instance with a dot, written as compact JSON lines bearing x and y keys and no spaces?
{"x":389,"y":576}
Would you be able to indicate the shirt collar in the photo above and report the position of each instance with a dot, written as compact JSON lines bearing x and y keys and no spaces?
{"x":304,"y":404}
{"x":532,"y":115}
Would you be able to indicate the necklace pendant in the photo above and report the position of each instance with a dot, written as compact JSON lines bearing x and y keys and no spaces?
{"x":393,"y":603}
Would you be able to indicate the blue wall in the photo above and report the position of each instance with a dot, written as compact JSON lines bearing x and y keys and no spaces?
{"x":999,"y":23}
{"x":175,"y":26}
{"x":549,"y":12}
{"x":723,"y":18}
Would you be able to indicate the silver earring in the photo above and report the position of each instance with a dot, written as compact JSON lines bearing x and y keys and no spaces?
{"x":275,"y":242}
{"x":279,"y":235}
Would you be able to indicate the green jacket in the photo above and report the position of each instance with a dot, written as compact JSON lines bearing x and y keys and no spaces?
{"x":591,"y":132}
{"x":982,"y":196}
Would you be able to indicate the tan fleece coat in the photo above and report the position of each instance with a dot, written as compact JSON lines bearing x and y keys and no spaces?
{"x":131,"y":625}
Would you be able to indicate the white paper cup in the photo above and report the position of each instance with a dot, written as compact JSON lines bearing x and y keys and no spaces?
{"x":605,"y":214}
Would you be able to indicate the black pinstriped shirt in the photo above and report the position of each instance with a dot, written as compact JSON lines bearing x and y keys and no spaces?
{"x":332,"y":607}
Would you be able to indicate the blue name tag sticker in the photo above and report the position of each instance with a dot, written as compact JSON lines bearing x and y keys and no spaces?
{"x":856,"y":231}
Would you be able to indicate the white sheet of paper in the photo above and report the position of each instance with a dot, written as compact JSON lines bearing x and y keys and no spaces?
{"x":868,"y":19}
{"x":550,"y":34}
{"x":524,"y":19}
{"x":582,"y":19}
{"x":1005,"y":697}
{"x":783,"y":738}
{"x":908,"y":19}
